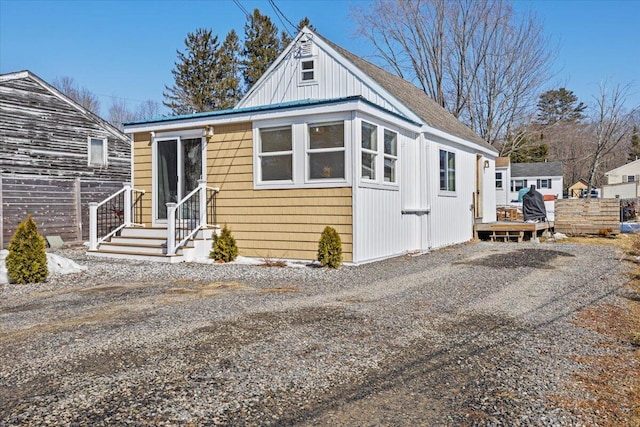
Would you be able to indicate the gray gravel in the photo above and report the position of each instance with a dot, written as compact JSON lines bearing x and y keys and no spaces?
{"x":477,"y":334}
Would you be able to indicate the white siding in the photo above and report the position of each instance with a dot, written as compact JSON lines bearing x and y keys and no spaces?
{"x":489,"y":192}
{"x":629,"y":190}
{"x":333,"y":80}
{"x":621,"y":174}
{"x":380,"y":229}
{"x":503,"y":194}
{"x":451,"y":218}
{"x":555,"y":190}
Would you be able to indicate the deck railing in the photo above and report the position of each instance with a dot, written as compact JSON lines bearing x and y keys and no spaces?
{"x":197,"y":210}
{"x":120,"y":210}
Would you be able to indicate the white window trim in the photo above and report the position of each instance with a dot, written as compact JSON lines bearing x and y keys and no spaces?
{"x":393,"y":157}
{"x":309,"y":151}
{"x":448,"y":193}
{"x":314,"y":70}
{"x":261,"y":154}
{"x":299,"y":136}
{"x":178,"y":136}
{"x":379,"y":181}
{"x":104,"y":152}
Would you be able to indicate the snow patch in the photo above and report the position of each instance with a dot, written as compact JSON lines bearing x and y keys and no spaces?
{"x":55,"y":263}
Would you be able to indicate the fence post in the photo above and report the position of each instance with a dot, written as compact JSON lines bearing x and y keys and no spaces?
{"x":127,"y":204}
{"x":93,"y":226}
{"x":202,"y":184}
{"x":171,"y":228}
{"x":78,"y":191}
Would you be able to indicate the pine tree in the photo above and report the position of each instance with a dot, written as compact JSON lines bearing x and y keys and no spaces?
{"x":559,"y":105}
{"x":194,"y":74}
{"x":261,"y":47}
{"x":228,"y":88}
{"x":634,"y":153}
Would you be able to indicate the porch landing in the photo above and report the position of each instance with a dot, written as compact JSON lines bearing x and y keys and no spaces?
{"x":511,"y":230}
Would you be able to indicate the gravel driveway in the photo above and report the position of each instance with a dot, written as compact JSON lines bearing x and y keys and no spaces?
{"x":476,"y":334}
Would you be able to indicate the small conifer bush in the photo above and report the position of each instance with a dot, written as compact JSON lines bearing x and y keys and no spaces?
{"x":330,"y":248}
{"x":224,"y":246}
{"x":26,"y":261}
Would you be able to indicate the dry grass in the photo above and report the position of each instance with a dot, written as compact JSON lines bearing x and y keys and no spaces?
{"x":611,"y":382}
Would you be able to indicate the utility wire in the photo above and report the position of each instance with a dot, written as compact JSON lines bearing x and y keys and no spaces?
{"x":280,"y":14}
{"x":247,"y":14}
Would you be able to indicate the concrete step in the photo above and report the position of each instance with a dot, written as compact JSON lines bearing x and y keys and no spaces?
{"x":138,"y":256}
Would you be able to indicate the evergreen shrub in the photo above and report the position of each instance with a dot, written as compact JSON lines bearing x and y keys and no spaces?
{"x":330,"y":248}
{"x":26,"y":261}
{"x":224,"y":246}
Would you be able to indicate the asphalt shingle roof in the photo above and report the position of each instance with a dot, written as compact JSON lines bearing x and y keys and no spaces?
{"x":536,"y":169}
{"x":416,"y":99}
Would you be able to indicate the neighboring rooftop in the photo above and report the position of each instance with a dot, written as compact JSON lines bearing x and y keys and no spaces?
{"x":536,"y":169}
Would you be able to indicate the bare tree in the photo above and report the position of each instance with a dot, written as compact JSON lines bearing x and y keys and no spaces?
{"x":611,"y":124}
{"x":81,"y":95}
{"x":476,"y":58}
{"x":119,"y":113}
{"x":149,"y":109}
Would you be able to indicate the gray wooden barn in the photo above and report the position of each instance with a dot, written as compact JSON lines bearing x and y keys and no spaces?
{"x":55,"y":158}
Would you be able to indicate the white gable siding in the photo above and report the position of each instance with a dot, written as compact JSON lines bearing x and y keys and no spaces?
{"x":333,"y":80}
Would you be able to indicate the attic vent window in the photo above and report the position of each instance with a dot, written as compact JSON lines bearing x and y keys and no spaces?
{"x":308,"y":71}
{"x":306,"y":48}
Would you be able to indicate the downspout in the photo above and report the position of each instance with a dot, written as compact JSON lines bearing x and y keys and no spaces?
{"x":354,"y":189}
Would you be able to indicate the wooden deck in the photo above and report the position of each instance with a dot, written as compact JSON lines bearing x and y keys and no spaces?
{"x":510,"y":230}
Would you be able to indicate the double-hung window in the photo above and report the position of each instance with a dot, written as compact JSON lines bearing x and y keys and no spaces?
{"x":369,"y":143}
{"x":326,"y":151}
{"x":276,"y":154}
{"x":390,"y":155}
{"x":447,"y":171}
{"x":97,"y":151}
{"x":498,"y":179}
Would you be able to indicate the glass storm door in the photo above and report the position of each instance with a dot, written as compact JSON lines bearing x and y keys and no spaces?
{"x":179,"y":166}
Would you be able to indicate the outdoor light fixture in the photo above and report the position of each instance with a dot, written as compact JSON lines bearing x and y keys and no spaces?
{"x":207,"y":131}
{"x":486,"y":164}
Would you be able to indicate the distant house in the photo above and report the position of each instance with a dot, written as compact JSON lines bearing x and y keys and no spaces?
{"x":623,"y":182}
{"x":545,"y":176}
{"x":503,"y":180}
{"x":324,"y":138}
{"x":55,"y":158}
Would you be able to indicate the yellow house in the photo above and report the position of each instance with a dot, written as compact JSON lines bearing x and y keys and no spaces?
{"x":323,"y":138}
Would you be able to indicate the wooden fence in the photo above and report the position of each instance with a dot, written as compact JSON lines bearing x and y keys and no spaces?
{"x":59,"y":206}
{"x":587,"y":216}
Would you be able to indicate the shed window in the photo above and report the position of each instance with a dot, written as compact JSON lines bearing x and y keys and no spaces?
{"x":499,"y":180}
{"x":97,"y":151}
{"x":326,"y":151}
{"x":307,"y":70}
{"x":447,"y":171}
{"x":276,"y":154}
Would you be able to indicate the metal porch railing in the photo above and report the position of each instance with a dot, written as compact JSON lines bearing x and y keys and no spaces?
{"x":120,"y":210}
{"x":197,"y":210}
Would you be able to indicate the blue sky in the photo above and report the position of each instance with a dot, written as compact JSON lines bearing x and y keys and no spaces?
{"x":127,"y":49}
